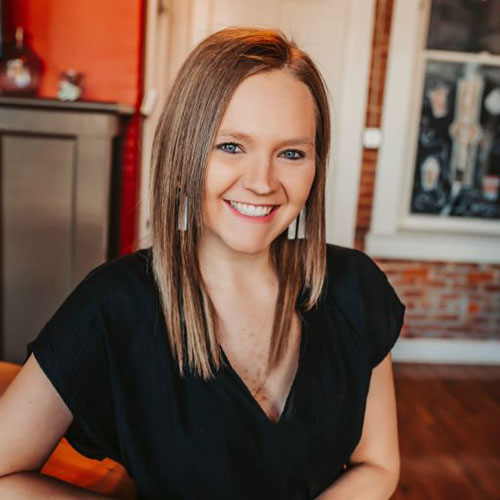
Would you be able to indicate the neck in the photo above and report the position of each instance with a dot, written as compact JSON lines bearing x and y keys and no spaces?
{"x":221,"y":265}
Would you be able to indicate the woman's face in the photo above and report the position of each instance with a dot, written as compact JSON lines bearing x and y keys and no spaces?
{"x":262,"y":164}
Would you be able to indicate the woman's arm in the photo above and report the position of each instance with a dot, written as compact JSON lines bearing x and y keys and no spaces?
{"x":375,"y":463}
{"x":33,"y":418}
{"x":33,"y":485}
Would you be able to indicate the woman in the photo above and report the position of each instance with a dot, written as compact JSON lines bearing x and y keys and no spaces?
{"x":239,"y":356}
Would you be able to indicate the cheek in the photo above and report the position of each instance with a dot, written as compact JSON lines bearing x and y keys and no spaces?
{"x":310,"y":176}
{"x":300,"y":184}
{"x":218,"y":178}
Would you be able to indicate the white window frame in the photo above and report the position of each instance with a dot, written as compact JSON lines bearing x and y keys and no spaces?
{"x":394,"y":232}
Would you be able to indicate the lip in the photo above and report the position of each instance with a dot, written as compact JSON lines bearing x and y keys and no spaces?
{"x":264,"y":219}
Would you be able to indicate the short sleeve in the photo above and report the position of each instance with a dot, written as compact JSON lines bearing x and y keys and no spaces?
{"x":383,"y":310}
{"x":72,"y":350}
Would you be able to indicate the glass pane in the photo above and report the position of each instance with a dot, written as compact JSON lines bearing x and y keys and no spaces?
{"x":457,"y":171}
{"x":465,"y":26}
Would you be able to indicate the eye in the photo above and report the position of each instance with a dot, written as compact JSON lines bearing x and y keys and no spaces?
{"x":228,"y":147}
{"x":289,"y":154}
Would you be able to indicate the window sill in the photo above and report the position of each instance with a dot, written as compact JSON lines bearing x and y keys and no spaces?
{"x":438,"y":246}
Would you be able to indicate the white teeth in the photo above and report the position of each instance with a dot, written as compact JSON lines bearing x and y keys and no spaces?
{"x":251,"y":210}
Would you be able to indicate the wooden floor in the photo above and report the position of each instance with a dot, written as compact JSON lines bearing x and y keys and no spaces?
{"x":449,"y":431}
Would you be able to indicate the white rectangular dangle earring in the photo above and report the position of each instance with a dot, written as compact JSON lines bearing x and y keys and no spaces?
{"x":182,"y":225}
{"x":301,"y":233}
{"x":292,"y":229}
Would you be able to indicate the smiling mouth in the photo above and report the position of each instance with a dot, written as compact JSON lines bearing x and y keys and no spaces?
{"x":251,"y":210}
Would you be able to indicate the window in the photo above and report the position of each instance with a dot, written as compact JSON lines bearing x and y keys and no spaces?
{"x":437,"y":191}
{"x":457,"y":163}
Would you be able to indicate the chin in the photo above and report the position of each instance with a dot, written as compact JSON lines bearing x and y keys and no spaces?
{"x":246,"y":245}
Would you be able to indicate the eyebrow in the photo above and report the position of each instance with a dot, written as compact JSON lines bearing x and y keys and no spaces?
{"x":249,"y":138}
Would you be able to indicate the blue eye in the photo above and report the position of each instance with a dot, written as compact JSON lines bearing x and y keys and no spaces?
{"x":294,"y":151}
{"x":230,"y":147}
{"x":230,"y":144}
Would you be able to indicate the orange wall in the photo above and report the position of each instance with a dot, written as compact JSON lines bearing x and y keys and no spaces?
{"x":101,"y":38}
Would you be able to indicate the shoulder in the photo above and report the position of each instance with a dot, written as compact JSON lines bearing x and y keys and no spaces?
{"x":112,"y":285}
{"x":338,"y":256}
{"x":133,"y":265}
{"x":127,"y":274}
{"x":356,"y":283}
{"x":362,"y":291}
{"x":350,"y":266}
{"x":116,"y":288}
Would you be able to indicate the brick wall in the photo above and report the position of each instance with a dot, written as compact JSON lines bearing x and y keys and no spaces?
{"x":443,"y":299}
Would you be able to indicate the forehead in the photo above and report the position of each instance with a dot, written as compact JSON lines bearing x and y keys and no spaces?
{"x":272,"y":104}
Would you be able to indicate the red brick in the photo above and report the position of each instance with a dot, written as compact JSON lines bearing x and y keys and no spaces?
{"x":366,"y":200}
{"x":470,"y":286}
{"x":450,"y":296}
{"x":480,"y":277}
{"x":473,"y":307}
{"x":416,"y":273}
{"x":364,"y":211}
{"x":370,"y":154}
{"x":478,"y":320}
{"x":415,"y":316}
{"x":435,"y":284}
{"x":447,"y":317}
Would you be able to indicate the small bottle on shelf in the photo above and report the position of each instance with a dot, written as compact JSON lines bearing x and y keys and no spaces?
{"x":20,"y":67}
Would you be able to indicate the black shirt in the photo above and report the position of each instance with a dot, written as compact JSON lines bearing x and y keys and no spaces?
{"x":105,"y":350}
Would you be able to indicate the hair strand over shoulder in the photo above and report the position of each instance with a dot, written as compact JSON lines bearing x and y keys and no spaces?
{"x":182,"y":144}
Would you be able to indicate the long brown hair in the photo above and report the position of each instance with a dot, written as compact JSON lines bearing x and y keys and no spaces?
{"x":183,"y":140}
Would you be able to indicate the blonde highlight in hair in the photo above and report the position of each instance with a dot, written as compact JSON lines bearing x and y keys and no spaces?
{"x":183,"y":140}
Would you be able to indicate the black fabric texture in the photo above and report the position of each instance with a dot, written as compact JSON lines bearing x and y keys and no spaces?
{"x":105,"y":351}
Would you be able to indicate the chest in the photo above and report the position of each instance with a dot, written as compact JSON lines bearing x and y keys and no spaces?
{"x":184,"y":437}
{"x":245,"y":337}
{"x":206,"y":430}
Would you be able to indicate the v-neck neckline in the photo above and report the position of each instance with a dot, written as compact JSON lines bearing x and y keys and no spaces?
{"x":292,"y":390}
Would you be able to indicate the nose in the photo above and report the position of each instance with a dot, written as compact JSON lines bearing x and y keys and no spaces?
{"x":260,"y":177}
